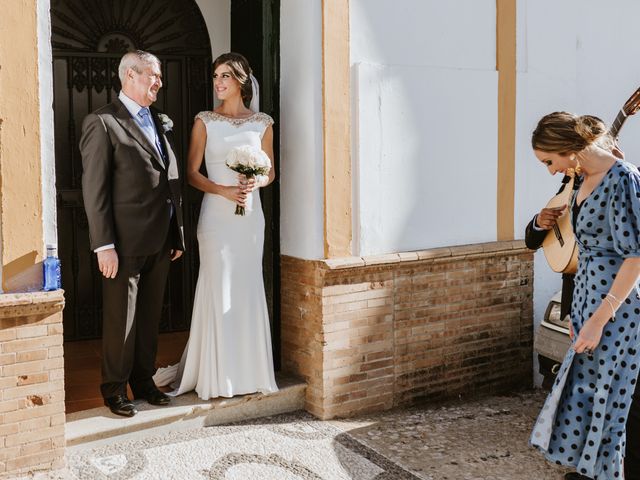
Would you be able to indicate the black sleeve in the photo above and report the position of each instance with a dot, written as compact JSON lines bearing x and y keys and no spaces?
{"x":533,"y":238}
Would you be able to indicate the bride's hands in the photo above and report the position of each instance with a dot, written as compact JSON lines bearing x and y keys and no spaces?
{"x":248,"y":184}
{"x":236,"y":194}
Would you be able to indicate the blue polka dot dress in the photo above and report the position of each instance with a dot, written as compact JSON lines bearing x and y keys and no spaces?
{"x":582,"y":423}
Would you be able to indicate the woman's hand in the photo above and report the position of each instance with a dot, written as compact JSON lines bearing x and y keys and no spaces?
{"x":234,"y":193}
{"x":248,"y":184}
{"x":571,"y":334}
{"x":590,"y":334}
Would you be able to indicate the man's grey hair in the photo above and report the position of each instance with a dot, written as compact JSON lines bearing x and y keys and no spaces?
{"x":136,"y":60}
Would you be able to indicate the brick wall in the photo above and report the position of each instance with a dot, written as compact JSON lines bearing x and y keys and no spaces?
{"x":376,"y":332}
{"x":31,"y":382}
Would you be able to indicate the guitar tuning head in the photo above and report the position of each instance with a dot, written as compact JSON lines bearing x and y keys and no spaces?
{"x":632,"y":105}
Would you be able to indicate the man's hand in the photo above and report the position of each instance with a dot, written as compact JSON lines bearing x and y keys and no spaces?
{"x":175,"y":254}
{"x":108,"y":262}
{"x":548,"y":217}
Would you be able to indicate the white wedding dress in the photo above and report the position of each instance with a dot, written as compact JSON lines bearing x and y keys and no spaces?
{"x":229,"y":347}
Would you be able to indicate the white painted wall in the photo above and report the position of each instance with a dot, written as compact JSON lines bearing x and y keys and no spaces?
{"x":47,"y":150}
{"x":301,"y":146}
{"x":581,"y":58}
{"x":454,"y":34}
{"x":424,"y":90}
{"x":217,"y":16}
{"x":422,"y":185}
{"x":424,"y":160}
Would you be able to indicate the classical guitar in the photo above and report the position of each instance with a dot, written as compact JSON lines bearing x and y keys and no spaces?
{"x":559,"y":245}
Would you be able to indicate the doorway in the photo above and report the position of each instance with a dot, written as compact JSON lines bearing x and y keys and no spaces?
{"x":88,"y":39}
{"x":255,"y":27}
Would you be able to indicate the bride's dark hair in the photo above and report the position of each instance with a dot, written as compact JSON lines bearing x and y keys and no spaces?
{"x":240,"y":70}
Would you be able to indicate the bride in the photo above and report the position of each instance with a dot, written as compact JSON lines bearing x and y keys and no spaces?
{"x":229,"y":347}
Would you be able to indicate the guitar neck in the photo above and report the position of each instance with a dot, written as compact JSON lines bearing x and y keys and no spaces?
{"x":617,"y":124}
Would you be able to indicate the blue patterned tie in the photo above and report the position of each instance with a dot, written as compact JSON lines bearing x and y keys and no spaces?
{"x":147,"y":124}
{"x":145,"y":117}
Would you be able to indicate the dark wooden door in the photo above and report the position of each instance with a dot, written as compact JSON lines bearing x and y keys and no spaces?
{"x":88,"y":40}
{"x":255,"y":34}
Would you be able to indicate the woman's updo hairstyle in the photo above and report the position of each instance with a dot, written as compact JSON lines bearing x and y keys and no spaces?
{"x":566,"y":133}
{"x":240,"y":70}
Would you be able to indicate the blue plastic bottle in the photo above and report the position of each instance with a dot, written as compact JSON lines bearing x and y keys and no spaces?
{"x":51,"y":266}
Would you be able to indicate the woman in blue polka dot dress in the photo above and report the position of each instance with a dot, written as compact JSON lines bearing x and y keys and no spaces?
{"x":582,"y":423}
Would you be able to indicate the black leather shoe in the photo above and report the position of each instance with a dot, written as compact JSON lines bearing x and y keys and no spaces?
{"x":575,"y":476}
{"x":121,"y":405}
{"x":154,"y":397}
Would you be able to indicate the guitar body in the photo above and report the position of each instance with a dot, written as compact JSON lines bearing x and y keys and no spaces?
{"x":559,"y":246}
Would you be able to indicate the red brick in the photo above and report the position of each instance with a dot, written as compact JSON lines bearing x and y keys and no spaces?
{"x":435,"y":324}
{"x":31,"y":355}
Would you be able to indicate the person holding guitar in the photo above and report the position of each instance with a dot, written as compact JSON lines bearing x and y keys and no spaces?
{"x":560,"y":248}
{"x":583,"y":421}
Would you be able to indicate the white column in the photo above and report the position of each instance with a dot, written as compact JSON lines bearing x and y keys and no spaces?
{"x":47,"y":145}
{"x":301,"y":148}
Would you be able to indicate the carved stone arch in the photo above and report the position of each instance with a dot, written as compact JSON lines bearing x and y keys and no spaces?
{"x":116,"y":26}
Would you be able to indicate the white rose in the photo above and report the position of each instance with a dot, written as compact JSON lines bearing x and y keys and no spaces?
{"x":167,"y":123}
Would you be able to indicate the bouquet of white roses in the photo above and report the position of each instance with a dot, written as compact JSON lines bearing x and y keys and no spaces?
{"x":249,"y":161}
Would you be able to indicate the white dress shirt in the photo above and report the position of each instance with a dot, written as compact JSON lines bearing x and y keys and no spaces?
{"x":148,"y":130}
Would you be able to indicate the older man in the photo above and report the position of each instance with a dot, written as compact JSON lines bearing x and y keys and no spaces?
{"x":132,"y":198}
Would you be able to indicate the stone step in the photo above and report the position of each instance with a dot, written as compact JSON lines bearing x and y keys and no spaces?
{"x":91,"y":428}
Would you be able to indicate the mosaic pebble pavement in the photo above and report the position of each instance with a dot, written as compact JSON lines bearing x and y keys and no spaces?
{"x":483,"y":439}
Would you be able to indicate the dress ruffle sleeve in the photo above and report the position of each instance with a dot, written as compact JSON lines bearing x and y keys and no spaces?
{"x":624,"y":214}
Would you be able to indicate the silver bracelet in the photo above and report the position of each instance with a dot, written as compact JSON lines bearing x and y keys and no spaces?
{"x":614,"y":297}
{"x":613,"y":310}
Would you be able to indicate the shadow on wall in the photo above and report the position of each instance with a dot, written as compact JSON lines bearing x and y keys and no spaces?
{"x":390,"y":160}
{"x":425,"y":169}
{"x":23,"y":274}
